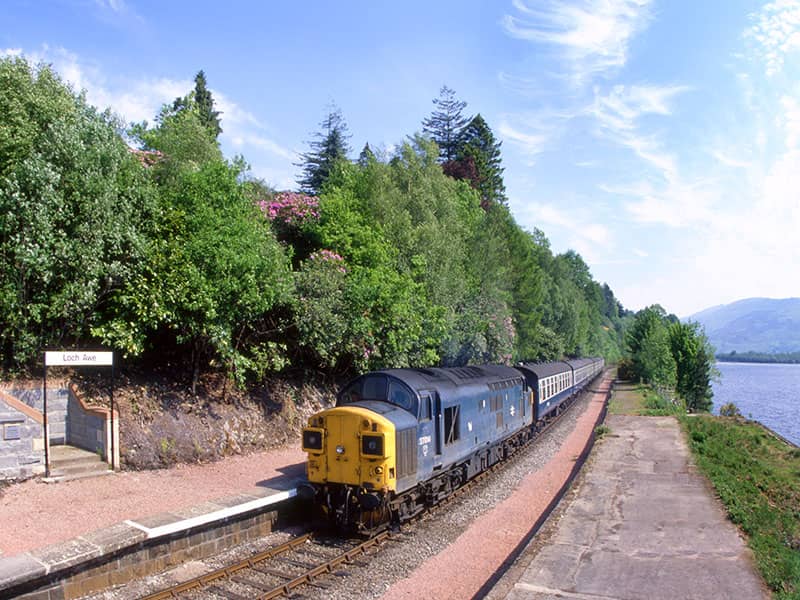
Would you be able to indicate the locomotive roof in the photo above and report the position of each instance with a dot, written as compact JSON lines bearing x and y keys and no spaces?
{"x":546,"y":369}
{"x":458,"y":376}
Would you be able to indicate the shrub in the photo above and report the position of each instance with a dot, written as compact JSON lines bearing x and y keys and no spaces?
{"x":729,"y":410}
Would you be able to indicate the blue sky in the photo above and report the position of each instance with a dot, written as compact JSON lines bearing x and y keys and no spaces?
{"x":659,"y":139}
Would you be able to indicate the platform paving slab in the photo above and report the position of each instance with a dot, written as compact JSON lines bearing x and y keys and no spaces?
{"x":643,"y":524}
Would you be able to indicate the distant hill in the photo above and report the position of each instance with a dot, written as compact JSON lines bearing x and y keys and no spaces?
{"x":759,"y":325}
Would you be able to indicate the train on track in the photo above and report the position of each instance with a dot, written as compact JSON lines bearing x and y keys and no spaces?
{"x":400,"y":440}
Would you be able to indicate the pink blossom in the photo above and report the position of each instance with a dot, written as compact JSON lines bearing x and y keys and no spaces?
{"x":290,"y":208}
{"x":329,"y":257}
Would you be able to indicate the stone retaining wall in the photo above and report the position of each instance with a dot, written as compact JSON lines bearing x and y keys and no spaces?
{"x":21,"y":439}
{"x":69,"y":421}
{"x":89,"y":427}
{"x":57,"y":399}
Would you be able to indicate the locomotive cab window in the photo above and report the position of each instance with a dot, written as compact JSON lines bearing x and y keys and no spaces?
{"x":452,"y":425}
{"x":425,"y":408}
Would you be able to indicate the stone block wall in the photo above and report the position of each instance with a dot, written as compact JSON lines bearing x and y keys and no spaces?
{"x":90,"y":427}
{"x":57,"y":400}
{"x":21,"y":439}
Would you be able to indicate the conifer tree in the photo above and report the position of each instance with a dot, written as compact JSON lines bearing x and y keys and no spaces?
{"x":366,"y":156}
{"x":445,"y":124}
{"x":479,"y":146}
{"x":205,"y":105}
{"x":329,"y":146}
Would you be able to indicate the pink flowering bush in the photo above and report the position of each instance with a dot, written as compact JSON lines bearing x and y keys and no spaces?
{"x":329,"y":257}
{"x":290,"y":208}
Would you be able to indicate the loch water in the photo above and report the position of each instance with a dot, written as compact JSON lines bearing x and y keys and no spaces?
{"x":769,"y":393}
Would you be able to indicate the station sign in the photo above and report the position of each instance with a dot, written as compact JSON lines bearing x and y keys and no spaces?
{"x":67,"y":358}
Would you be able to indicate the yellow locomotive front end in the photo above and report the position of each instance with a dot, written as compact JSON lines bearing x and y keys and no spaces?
{"x":351,"y":464}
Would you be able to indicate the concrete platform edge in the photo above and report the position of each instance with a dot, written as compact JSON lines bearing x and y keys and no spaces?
{"x":54,"y":564}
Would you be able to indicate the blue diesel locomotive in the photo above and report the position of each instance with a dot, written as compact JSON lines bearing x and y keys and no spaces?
{"x":399,"y":440}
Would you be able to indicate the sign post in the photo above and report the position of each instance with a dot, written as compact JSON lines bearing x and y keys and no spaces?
{"x":75,"y":358}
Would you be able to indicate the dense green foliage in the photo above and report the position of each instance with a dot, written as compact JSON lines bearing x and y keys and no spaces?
{"x":671,"y":355}
{"x":74,"y":211}
{"x":757,"y":477}
{"x":169,"y":250}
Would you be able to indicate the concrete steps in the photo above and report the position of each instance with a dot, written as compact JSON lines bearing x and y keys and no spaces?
{"x":68,"y":463}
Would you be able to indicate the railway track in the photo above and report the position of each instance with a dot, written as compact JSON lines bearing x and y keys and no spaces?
{"x":304,"y":560}
{"x":309,"y":559}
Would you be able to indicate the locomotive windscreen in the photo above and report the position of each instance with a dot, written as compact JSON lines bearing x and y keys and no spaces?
{"x":382,"y":388}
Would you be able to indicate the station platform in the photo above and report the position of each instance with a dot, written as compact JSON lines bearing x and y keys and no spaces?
{"x":49,"y":532}
{"x":641,"y":523}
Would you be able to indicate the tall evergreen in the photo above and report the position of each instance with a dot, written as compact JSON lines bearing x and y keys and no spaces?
{"x":479,"y":146}
{"x":366,"y":156}
{"x":205,"y":105}
{"x":445,"y":123}
{"x":329,"y":146}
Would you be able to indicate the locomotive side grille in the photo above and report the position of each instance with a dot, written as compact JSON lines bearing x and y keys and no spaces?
{"x":406,"y":453}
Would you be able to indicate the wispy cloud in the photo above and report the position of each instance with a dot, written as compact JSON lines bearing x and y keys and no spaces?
{"x":619,"y":112}
{"x":531,"y":143}
{"x":726,"y":159}
{"x":591,"y":36}
{"x":776,"y":33}
{"x":589,"y":238}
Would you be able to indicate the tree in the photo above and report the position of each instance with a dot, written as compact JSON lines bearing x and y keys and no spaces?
{"x":694,"y":360}
{"x":329,"y":147}
{"x":201,"y":101}
{"x":366,"y":155}
{"x":445,"y":124}
{"x":648,"y":342}
{"x":180,"y":141}
{"x":205,"y":105}
{"x":74,"y":206}
{"x":478,"y":145}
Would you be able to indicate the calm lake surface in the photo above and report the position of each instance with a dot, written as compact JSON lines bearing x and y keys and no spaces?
{"x":765,"y":392}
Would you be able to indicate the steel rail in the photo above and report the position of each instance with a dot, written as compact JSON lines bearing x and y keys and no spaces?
{"x":253,"y":562}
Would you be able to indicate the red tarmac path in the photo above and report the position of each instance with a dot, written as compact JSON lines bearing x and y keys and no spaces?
{"x":34,"y":514}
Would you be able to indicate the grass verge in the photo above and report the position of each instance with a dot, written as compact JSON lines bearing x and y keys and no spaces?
{"x":630,"y":398}
{"x":757,"y":477}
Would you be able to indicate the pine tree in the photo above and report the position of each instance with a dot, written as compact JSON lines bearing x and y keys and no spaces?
{"x":205,"y":105}
{"x":479,"y":146}
{"x":366,"y":156}
{"x":329,"y":146}
{"x":445,"y":123}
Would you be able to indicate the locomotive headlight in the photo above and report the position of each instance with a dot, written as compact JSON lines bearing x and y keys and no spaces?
{"x":313,"y":439}
{"x":378,"y":470}
{"x":339,"y":449}
{"x":372,"y":445}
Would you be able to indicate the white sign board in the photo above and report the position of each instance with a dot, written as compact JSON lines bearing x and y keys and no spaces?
{"x":67,"y":358}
